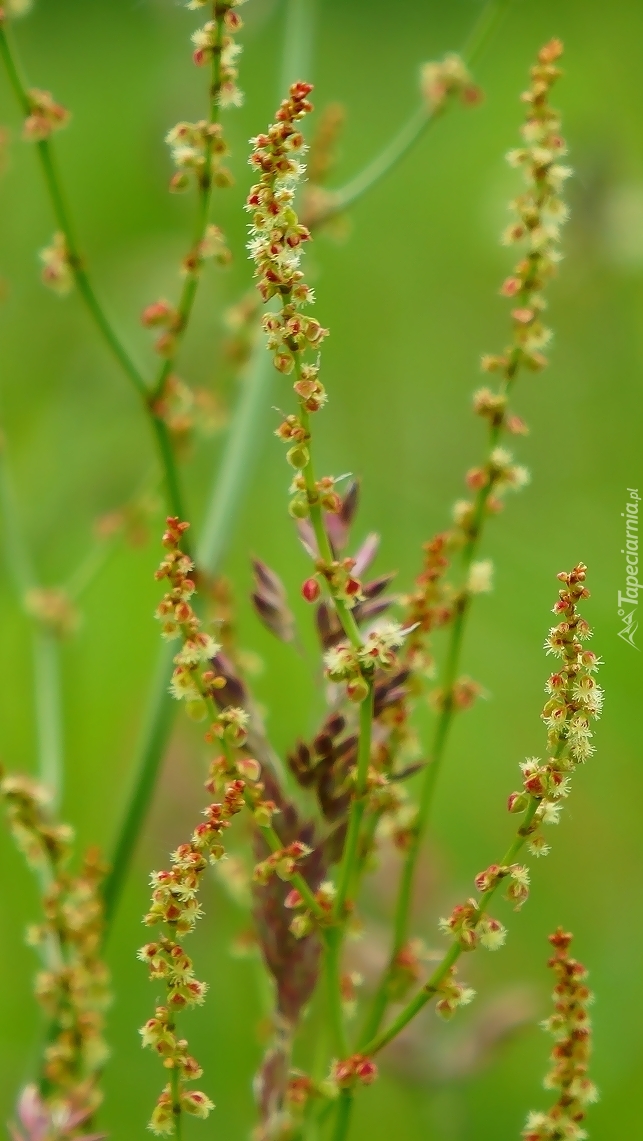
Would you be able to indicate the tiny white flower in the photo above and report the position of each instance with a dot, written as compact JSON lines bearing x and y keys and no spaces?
{"x":480,"y":576}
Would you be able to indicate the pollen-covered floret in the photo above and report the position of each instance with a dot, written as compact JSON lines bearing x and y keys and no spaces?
{"x":571,"y":1028}
{"x":57,"y":271}
{"x":45,"y":116}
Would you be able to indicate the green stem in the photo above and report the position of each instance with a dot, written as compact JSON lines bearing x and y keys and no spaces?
{"x":298,"y":42}
{"x":84,"y":285}
{"x":446,"y":684}
{"x":414,"y":128}
{"x":173,"y":492}
{"x":303,"y":887}
{"x":81,"y":277}
{"x":45,"y":644}
{"x":235,"y":467}
{"x":358,"y":805}
{"x":176,"y":1101}
{"x":332,"y":964}
{"x":374,"y":1044}
{"x":155,"y":737}
{"x":342,"y":1120}
{"x":46,"y":654}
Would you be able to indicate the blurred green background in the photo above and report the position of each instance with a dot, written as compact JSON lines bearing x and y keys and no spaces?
{"x":411,"y":299}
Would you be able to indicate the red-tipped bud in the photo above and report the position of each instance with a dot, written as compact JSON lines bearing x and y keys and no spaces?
{"x":311,"y":590}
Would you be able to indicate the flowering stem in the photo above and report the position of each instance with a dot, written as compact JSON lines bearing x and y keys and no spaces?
{"x":412,"y":131}
{"x":446,"y":687}
{"x":375,"y":1043}
{"x":219,"y":519}
{"x":191,"y":283}
{"x":344,"y":612}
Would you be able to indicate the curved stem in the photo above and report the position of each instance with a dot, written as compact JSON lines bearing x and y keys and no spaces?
{"x":412,"y":131}
{"x":84,"y":285}
{"x":378,"y":1041}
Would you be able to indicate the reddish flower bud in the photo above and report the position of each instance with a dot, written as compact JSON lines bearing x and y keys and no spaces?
{"x":311,"y":590}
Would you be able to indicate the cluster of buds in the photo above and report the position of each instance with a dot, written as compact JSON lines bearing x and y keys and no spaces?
{"x":491,"y":481}
{"x":45,"y":116}
{"x":340,"y":576}
{"x":57,"y":270}
{"x":73,"y":986}
{"x":52,"y":606}
{"x":215,"y":44}
{"x":191,"y":682}
{"x":350,"y":1071}
{"x":429,"y":606}
{"x":447,"y":80}
{"x":517,"y":877}
{"x":574,"y":700}
{"x":198,"y":150}
{"x":282,"y":863}
{"x":322,"y":494}
{"x":275,"y":232}
{"x":407,"y":968}
{"x":451,"y":994}
{"x":185,"y":409}
{"x":160,"y":1035}
{"x":470,"y":927}
{"x":570,"y":1026}
{"x":354,"y":665}
{"x":303,"y":922}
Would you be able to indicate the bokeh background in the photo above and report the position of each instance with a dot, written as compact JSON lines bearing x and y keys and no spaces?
{"x":410,"y":295}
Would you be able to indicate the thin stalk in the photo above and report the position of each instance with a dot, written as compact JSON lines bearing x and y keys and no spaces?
{"x":90,"y":567}
{"x":191,"y":283}
{"x":46,"y":659}
{"x":234,"y":469}
{"x":332,"y":965}
{"x":156,"y":734}
{"x":303,"y":887}
{"x":83,"y":282}
{"x":45,"y":644}
{"x":176,"y":1101}
{"x":350,"y":854}
{"x":299,"y":37}
{"x":412,"y":131}
{"x":374,"y":1044}
{"x":344,"y":1110}
{"x":446,"y":684}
